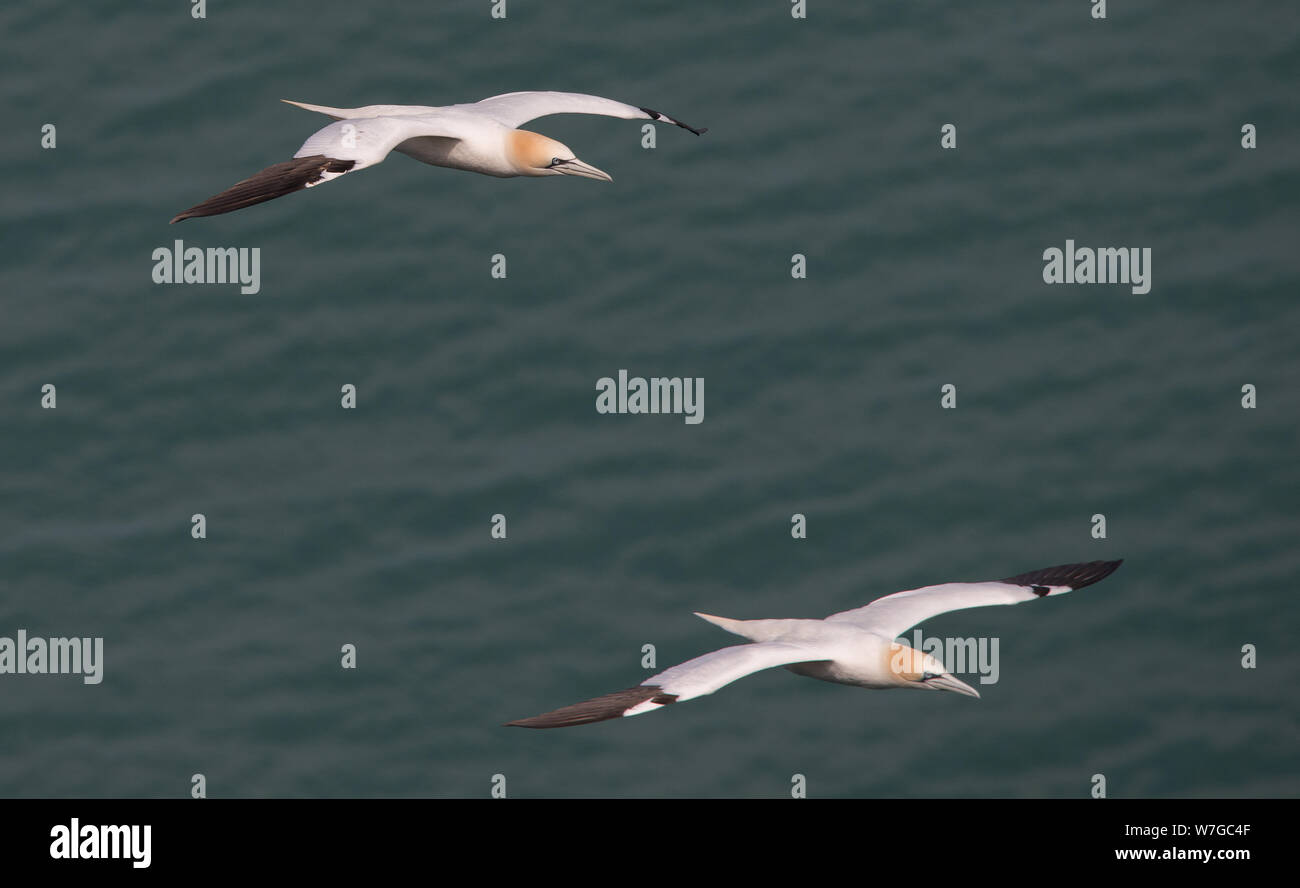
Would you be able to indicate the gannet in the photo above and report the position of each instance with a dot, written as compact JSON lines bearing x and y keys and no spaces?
{"x":855,"y":647}
{"x":482,"y":137}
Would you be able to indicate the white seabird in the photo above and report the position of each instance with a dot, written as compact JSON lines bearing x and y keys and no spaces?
{"x":482,"y":137}
{"x":855,"y":647}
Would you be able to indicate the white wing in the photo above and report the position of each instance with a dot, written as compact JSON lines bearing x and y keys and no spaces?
{"x":688,"y":680}
{"x":342,"y":147}
{"x":513,"y":109}
{"x":708,"y":673}
{"x":894,"y":614}
{"x":368,"y":140}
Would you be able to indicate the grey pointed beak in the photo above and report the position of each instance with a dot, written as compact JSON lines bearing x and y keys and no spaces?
{"x":947,"y":682}
{"x":576,"y":167}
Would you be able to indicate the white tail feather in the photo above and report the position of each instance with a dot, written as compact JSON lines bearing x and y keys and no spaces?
{"x":336,"y":113}
{"x":732,"y":626}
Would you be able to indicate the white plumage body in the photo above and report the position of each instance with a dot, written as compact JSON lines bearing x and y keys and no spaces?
{"x":856,"y":647}
{"x":480,"y":137}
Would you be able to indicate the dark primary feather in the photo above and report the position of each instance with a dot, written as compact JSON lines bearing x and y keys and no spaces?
{"x":1076,"y":576}
{"x":686,"y":126}
{"x":272,"y":182}
{"x":601,"y":708}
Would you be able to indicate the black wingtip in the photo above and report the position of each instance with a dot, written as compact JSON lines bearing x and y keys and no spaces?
{"x":686,"y":126}
{"x":600,"y":709}
{"x":1076,"y":576}
{"x":274,"y":181}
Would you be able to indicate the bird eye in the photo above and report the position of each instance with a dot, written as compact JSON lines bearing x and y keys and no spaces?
{"x":926,"y":676}
{"x":555,"y":161}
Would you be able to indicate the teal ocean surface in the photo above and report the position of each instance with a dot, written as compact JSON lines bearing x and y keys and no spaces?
{"x":476,"y":397}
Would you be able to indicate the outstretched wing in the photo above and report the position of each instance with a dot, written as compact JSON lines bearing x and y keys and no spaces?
{"x":513,"y":109}
{"x":894,"y":614}
{"x":274,"y":181}
{"x":342,"y":147}
{"x":694,"y":678}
